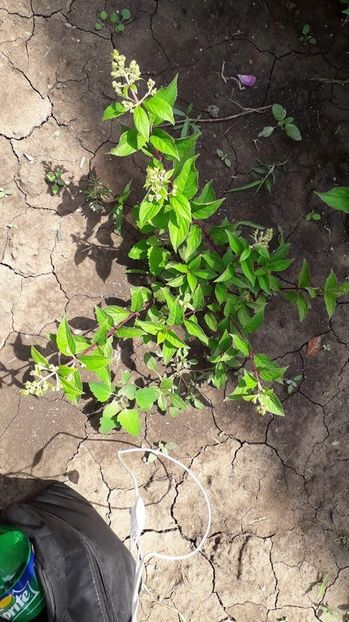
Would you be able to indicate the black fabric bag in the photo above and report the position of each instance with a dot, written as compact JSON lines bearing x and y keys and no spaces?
{"x":86,"y":571}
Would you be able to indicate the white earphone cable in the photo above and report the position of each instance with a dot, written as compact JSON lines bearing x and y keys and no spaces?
{"x":138,"y":520}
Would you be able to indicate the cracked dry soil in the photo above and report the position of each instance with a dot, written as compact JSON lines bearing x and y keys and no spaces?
{"x":279,"y":487}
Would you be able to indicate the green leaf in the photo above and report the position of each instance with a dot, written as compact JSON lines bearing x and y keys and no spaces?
{"x":145,"y":398}
{"x":38,"y":357}
{"x":70,"y":381}
{"x":173,"y":340}
{"x":148,"y":327}
{"x":139,"y":296}
{"x":178,"y":230}
{"x":195,"y":330}
{"x":169,"y":93}
{"x":129,"y":332}
{"x":211,"y":321}
{"x":111,"y":410}
{"x":248,"y":270}
{"x":187,"y":181}
{"x":65,"y":339}
{"x":103,"y":15}
{"x":181,"y":206}
{"x":125,"y":13}
{"x":163,"y":142}
{"x":241,"y":344}
{"x":98,"y":26}
{"x":147,"y":211}
{"x":113,"y":111}
{"x":130,"y":420}
{"x":159,"y":107}
{"x":252,"y":184}
{"x":193,"y":242}
{"x":254,"y":323}
{"x":330,"y":293}
{"x":279,"y":112}
{"x":150,"y":361}
{"x":293,"y":132}
{"x":141,"y":121}
{"x":116,"y":314}
{"x":271,"y":403}
{"x":175,"y":317}
{"x":101,"y":390}
{"x":186,"y":149}
{"x":139,"y":250}
{"x":303,"y":306}
{"x":94,"y":361}
{"x":266,"y":131}
{"x":304,"y":278}
{"x":130,"y":142}
{"x":129,"y":391}
{"x":157,"y":258}
{"x":106,"y":425}
{"x":337,"y":197}
{"x":205,"y":210}
{"x":178,"y":402}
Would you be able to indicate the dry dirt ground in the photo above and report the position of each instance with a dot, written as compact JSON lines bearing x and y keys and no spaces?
{"x":279,"y":488}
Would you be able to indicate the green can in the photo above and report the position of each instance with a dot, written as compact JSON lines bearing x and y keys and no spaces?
{"x":21,"y":596}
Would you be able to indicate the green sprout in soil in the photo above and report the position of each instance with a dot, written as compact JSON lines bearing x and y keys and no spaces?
{"x":54,"y":180}
{"x":306,"y":36}
{"x":292,"y":383}
{"x":223,"y":157}
{"x":117,"y":20}
{"x":313,"y":216}
{"x":4,"y":193}
{"x":283,"y":122}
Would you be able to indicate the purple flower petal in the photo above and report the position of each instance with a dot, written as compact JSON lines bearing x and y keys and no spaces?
{"x":247,"y":80}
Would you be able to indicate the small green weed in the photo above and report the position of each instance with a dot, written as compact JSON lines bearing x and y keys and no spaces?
{"x":55,"y":181}
{"x":117,"y":20}
{"x":312,"y":215}
{"x":292,"y":383}
{"x":4,"y":193}
{"x":187,"y":123}
{"x":97,"y":193}
{"x":223,"y":157}
{"x":266,"y":177}
{"x":306,"y":36}
{"x":285,"y":123}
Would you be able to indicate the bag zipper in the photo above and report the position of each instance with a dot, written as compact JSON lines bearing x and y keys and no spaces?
{"x":47,"y":587}
{"x":95,"y":564}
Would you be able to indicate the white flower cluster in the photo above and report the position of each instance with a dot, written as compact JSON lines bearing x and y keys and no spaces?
{"x":157,"y":182}
{"x":40,"y":385}
{"x":125,"y":80}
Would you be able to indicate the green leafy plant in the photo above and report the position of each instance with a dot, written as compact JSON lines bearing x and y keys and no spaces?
{"x":116,"y":19}
{"x":306,"y":36}
{"x":55,"y":181}
{"x":223,"y":157}
{"x":4,"y":193}
{"x":266,"y":177}
{"x":204,"y":293}
{"x":337,"y":198}
{"x":285,"y":123}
